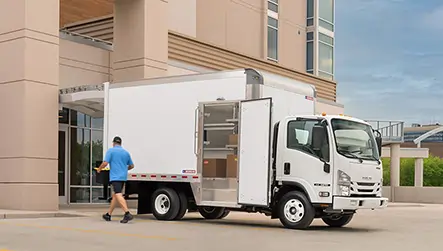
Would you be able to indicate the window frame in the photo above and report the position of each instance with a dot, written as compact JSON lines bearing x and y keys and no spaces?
{"x":333,"y":55}
{"x":268,"y":34}
{"x":300,"y":149}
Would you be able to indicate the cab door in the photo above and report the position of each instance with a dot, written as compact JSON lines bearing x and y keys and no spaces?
{"x":298,"y":163}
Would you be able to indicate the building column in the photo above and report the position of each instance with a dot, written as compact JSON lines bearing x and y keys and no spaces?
{"x":140,"y":39}
{"x":29,"y":76}
{"x":418,"y":180}
{"x":395,"y":169}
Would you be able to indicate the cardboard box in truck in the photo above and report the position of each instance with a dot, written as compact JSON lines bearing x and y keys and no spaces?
{"x":231,"y":166}
{"x":214,"y":168}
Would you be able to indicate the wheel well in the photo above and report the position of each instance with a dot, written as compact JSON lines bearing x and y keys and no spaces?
{"x":284,"y":189}
{"x":145,"y":189}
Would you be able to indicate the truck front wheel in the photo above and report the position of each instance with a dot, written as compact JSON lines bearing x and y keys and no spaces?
{"x":295,"y":211}
{"x":338,"y":221}
{"x":165,"y":204}
{"x":212,"y":213}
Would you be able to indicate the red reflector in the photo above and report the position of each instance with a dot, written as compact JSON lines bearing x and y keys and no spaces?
{"x":134,"y":175}
{"x":195,"y":177}
{"x":205,"y":162}
{"x":163,"y":176}
{"x":184,"y":177}
{"x":174,"y":177}
{"x":143,"y":175}
{"x":153,"y":176}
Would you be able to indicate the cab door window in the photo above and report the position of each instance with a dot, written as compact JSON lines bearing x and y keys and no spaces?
{"x":300,"y":138}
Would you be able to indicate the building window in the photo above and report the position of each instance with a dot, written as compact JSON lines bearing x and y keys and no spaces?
{"x":273,"y":5}
{"x":310,"y":13}
{"x":272,"y":38}
{"x":325,"y":54}
{"x":86,"y":148}
{"x":326,"y":14}
{"x":310,"y":52}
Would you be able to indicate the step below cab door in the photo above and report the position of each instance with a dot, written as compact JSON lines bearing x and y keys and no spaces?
{"x":254,"y":152}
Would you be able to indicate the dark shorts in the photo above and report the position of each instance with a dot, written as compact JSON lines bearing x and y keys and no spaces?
{"x":117,"y":186}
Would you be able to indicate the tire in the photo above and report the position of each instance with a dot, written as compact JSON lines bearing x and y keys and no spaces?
{"x":165,"y":204}
{"x":339,"y":221}
{"x":183,"y":205}
{"x":295,"y":210}
{"x":211,"y":213}
{"x":224,"y":215}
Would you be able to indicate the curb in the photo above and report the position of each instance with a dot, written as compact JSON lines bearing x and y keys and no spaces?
{"x":37,"y":215}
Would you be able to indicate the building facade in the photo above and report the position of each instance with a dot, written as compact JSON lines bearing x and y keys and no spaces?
{"x":53,"y":47}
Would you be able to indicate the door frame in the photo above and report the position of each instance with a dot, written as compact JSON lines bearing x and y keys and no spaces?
{"x":63,"y":200}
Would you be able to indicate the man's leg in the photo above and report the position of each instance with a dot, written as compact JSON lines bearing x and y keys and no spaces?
{"x":113,"y":204}
{"x":107,"y":216}
{"x":119,"y":190}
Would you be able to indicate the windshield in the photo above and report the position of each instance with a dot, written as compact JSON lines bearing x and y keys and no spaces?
{"x":354,"y":140}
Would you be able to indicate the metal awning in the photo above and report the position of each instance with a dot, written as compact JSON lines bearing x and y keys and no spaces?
{"x":88,"y":99}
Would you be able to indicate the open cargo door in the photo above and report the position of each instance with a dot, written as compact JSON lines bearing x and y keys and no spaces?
{"x":254,"y":152}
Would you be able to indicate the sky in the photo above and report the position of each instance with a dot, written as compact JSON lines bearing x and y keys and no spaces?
{"x":389,"y":59}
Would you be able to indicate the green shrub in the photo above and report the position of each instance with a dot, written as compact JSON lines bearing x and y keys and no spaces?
{"x":432,"y":171}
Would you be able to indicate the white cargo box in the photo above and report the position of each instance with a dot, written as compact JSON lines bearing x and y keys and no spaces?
{"x":157,"y":118}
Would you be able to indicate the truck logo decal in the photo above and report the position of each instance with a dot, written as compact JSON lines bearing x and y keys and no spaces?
{"x":321,"y":185}
{"x":188,"y":171}
{"x":367,"y":178}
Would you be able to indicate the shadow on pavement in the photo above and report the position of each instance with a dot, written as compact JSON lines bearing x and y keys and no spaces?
{"x":247,"y":223}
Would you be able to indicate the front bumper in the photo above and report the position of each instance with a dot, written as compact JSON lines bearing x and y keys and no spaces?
{"x":354,"y":203}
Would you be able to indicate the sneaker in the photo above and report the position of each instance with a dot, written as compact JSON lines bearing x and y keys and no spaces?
{"x":107,"y":217}
{"x":128,"y":217}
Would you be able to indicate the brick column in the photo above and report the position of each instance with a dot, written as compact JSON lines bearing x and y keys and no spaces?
{"x":140,"y":39}
{"x":29,"y":76}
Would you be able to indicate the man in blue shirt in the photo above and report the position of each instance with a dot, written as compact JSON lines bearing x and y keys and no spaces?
{"x":120,"y":162}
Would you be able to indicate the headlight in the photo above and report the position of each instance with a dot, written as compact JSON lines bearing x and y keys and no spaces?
{"x":344,"y":183}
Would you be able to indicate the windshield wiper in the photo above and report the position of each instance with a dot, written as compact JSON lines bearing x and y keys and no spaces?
{"x":353,"y":155}
{"x":372,"y":158}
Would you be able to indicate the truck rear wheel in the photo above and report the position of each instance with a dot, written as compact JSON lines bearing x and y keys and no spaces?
{"x":295,"y":211}
{"x":183,"y":205}
{"x":165,"y":204}
{"x":225,"y":214}
{"x":211,"y":213}
{"x":338,"y":221}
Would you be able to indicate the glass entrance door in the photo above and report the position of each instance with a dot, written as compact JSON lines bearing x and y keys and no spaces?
{"x":62,"y":164}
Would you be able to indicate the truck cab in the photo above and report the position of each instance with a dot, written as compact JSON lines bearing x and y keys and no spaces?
{"x":333,"y":160}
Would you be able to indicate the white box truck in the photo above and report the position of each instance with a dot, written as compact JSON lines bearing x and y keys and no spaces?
{"x":242,"y":141}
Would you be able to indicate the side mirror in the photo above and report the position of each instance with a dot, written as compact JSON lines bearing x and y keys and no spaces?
{"x":318,"y":136}
{"x":379,"y":144}
{"x":378,"y":140}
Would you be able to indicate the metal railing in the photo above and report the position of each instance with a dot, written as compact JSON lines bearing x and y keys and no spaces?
{"x":391,"y":131}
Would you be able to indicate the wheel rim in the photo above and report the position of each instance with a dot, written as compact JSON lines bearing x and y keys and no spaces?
{"x":162,"y":204}
{"x":209,"y":209}
{"x":294,"y":210}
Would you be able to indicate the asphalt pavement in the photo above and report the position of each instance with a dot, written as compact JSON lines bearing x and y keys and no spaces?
{"x":396,"y":228}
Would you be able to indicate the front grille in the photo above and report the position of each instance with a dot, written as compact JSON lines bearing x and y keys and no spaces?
{"x":366,"y":184}
{"x":365,"y":189}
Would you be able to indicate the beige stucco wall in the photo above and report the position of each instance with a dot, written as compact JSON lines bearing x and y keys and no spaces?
{"x":83,"y":64}
{"x":241,"y":25}
{"x":234,"y":24}
{"x":183,"y":16}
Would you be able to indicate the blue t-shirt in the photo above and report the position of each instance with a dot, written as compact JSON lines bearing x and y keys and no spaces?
{"x":118,"y":159}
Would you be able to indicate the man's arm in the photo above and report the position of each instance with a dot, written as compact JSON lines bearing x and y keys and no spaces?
{"x":103,"y":165}
{"x":105,"y":161}
{"x":130,"y":163}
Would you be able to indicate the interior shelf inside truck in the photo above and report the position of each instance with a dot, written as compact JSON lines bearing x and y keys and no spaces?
{"x":220,"y":166}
